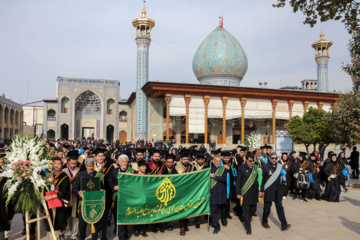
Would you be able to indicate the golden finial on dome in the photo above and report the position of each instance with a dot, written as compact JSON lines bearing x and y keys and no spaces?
{"x":322,"y":46}
{"x":322,"y":35}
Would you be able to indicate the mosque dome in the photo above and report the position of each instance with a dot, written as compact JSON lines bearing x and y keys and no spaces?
{"x":220,"y":60}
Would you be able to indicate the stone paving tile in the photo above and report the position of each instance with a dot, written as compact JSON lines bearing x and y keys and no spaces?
{"x":312,"y":220}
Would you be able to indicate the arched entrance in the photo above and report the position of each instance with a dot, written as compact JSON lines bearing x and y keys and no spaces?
{"x":50,"y":134}
{"x":87,"y":114}
{"x":64,"y":131}
{"x":110,"y":133}
{"x":122,"y":136}
{"x":172,"y":135}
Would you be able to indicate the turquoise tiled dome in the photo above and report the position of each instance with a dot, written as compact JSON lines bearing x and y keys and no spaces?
{"x":220,"y":60}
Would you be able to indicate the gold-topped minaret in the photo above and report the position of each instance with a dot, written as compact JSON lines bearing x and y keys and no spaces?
{"x":322,"y":59}
{"x":143,"y":25}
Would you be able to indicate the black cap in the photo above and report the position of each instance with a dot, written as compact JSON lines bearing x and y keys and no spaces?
{"x":263,"y":147}
{"x":184,"y":153}
{"x":128,"y":153}
{"x":154,"y":150}
{"x":312,"y":155}
{"x":170,"y":156}
{"x":250,"y":155}
{"x":65,"y":146}
{"x":85,"y":148}
{"x":73,"y":154}
{"x":200,"y":155}
{"x":217,"y":151}
{"x":303,"y":153}
{"x":226,"y":153}
{"x":244,"y":149}
{"x":141,"y":150}
{"x":99,"y":150}
{"x":51,"y":145}
{"x":268,"y":147}
{"x":193,"y":147}
{"x":141,"y":163}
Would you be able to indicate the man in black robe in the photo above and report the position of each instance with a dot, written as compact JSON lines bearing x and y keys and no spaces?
{"x":285,"y":161}
{"x":333,"y":187}
{"x":59,"y":181}
{"x":250,"y":198}
{"x":4,"y":221}
{"x":217,"y":192}
{"x":273,"y":193}
{"x":88,"y":173}
{"x":301,"y":169}
{"x":170,"y":169}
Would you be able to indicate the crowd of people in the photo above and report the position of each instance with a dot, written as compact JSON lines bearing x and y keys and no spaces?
{"x":248,"y":175}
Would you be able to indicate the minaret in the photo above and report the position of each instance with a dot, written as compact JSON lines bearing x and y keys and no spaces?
{"x":143,"y":28}
{"x":322,"y":58}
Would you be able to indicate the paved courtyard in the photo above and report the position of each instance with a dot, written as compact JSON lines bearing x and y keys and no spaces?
{"x":312,"y":220}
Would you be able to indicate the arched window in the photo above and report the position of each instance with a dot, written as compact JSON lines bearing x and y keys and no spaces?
{"x":110,"y":106}
{"x":123,"y":116}
{"x":51,"y":113}
{"x":64,"y":105}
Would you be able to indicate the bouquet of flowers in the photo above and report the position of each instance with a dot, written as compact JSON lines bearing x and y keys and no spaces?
{"x":253,"y":140}
{"x":24,"y":164}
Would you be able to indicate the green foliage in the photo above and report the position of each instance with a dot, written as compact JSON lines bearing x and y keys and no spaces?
{"x":324,"y":10}
{"x":313,"y":128}
{"x":345,"y":119}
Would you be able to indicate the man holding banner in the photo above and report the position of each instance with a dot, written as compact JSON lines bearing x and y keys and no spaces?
{"x":247,"y":189}
{"x":217,"y":192}
{"x":271,"y":191}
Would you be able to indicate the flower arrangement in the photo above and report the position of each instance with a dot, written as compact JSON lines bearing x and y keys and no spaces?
{"x":253,"y":140}
{"x":24,"y":164}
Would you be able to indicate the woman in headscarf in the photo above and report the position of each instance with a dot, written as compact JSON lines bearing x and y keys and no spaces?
{"x":343,"y":161}
{"x":333,"y":173}
{"x":314,"y":190}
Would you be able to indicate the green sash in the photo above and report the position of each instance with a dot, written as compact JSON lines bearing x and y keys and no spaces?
{"x":249,"y":182}
{"x":273,"y":177}
{"x":93,"y":206}
{"x":218,"y":172}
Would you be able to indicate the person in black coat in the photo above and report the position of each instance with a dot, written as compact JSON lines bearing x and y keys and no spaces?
{"x":354,"y":163}
{"x":250,"y":198}
{"x":89,"y":172}
{"x":272,"y":194}
{"x":217,"y":192}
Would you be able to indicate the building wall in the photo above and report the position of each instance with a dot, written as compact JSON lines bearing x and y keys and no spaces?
{"x":11,"y":118}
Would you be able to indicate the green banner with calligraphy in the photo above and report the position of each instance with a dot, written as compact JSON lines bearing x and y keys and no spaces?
{"x":162,"y":198}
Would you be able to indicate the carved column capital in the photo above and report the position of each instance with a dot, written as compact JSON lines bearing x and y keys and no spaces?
{"x":274,"y":103}
{"x":243,"y":102}
{"x":290,"y":104}
{"x":206,"y":100}
{"x":187,"y":99}
{"x":320,"y":105}
{"x":168,"y":98}
{"x":306,"y":105}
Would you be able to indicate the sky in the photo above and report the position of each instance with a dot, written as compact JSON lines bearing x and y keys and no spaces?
{"x":41,"y":40}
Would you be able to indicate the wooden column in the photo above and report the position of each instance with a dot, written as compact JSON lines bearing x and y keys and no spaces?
{"x":306,"y":105}
{"x":290,"y":104}
{"x":206,"y":103}
{"x":187,"y":101}
{"x":167,"y":100}
{"x":274,"y":103}
{"x":320,"y":105}
{"x":243,"y":102}
{"x":224,"y":101}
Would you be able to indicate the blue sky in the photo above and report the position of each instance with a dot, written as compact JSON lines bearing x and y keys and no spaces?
{"x":43,"y":39}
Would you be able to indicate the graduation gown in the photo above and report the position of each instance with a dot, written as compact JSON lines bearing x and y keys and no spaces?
{"x":155,"y":168}
{"x":314,"y":187}
{"x":269,"y":194}
{"x":106,"y":169}
{"x":73,"y":203}
{"x":218,"y":192}
{"x":167,"y":172}
{"x":231,"y":179}
{"x":333,"y":190}
{"x":251,"y":196}
{"x":61,"y":182}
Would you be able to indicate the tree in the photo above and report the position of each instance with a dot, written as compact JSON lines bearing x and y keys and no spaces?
{"x":313,"y":128}
{"x":345,"y":119}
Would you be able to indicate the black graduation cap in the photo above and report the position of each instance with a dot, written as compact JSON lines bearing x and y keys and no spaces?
{"x":244,"y":149}
{"x":193,"y":147}
{"x":268,"y":147}
{"x":99,"y":150}
{"x":170,"y":156}
{"x":226,"y":153}
{"x":312,"y":155}
{"x":217,"y":151}
{"x":184,"y":153}
{"x":85,"y":148}
{"x":154,"y":150}
{"x":263,"y":147}
{"x":73,"y":154}
{"x":51,"y":145}
{"x":65,"y":146}
{"x":250,"y":155}
{"x":303,"y":153}
{"x":128,"y":153}
{"x":200,"y":154}
{"x":141,"y":163}
{"x":141,"y":150}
